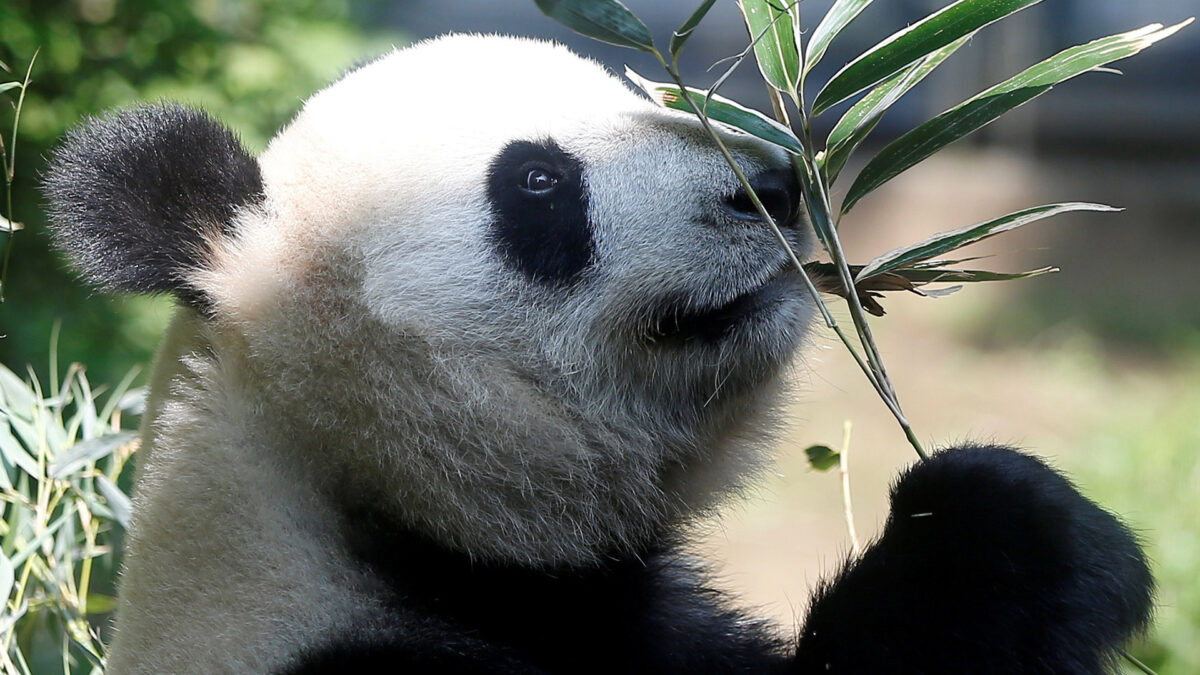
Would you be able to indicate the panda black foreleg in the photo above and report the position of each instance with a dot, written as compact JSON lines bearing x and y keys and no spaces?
{"x":990,"y":563}
{"x":416,"y":647}
{"x":649,"y":612}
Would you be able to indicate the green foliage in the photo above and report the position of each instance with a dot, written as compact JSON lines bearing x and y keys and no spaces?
{"x":64,"y":455}
{"x":862,"y":118}
{"x":979,"y":111}
{"x":249,"y":62}
{"x":912,"y":44}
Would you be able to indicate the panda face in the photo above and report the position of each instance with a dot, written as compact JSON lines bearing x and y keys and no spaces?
{"x":536,"y":305}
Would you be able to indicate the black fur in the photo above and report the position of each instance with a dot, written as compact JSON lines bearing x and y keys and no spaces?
{"x":133,"y":196}
{"x":991,"y":564}
{"x":544,"y":235}
{"x":647,"y":613}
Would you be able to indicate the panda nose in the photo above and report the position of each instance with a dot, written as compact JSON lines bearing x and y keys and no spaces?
{"x":778,"y":192}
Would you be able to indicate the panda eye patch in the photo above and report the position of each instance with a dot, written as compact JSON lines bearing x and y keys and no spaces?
{"x":539,"y":209}
{"x":539,"y":180}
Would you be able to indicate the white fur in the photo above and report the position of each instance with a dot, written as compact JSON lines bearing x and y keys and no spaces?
{"x":369,"y":340}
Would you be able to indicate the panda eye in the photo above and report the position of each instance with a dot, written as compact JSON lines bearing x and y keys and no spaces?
{"x":539,"y":180}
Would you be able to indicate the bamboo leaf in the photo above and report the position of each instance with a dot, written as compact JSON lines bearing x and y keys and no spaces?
{"x":7,"y":576}
{"x":912,"y":279}
{"x":118,"y":502}
{"x":12,"y":449}
{"x":954,"y":239}
{"x":721,"y":110}
{"x":679,"y":37}
{"x":939,"y":292}
{"x":9,"y":227}
{"x":838,"y":17}
{"x":907,"y":46}
{"x":918,"y":144}
{"x":31,"y":547}
{"x":771,"y":24}
{"x":822,"y":457}
{"x":5,"y":86}
{"x":862,"y":118}
{"x":15,"y":394}
{"x":604,"y":20}
{"x":83,"y":453}
{"x":937,"y":275}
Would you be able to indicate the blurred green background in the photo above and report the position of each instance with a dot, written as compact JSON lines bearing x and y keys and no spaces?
{"x":250,"y":63}
{"x":1095,"y":368}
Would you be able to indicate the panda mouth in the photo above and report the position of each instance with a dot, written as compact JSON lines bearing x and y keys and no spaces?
{"x":678,"y":324}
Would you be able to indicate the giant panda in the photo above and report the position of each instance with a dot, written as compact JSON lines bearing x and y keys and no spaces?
{"x":460,"y":358}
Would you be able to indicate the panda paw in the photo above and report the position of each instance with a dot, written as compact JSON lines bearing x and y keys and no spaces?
{"x":991,"y":562}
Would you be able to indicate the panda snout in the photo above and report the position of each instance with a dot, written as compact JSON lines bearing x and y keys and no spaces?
{"x":776,"y":189}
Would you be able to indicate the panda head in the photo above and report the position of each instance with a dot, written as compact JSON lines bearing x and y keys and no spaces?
{"x":477,"y":283}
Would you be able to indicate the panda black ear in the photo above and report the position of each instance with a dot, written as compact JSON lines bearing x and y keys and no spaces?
{"x":135,"y":195}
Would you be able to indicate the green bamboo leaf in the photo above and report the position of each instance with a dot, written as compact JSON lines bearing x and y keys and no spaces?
{"x":5,"y":86}
{"x":772,"y":25}
{"x":604,"y":20}
{"x":721,"y":110}
{"x":907,"y":46}
{"x":679,"y":37}
{"x":822,"y":457}
{"x":954,"y":239}
{"x":838,"y":17}
{"x":918,"y":144}
{"x":862,"y":118}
